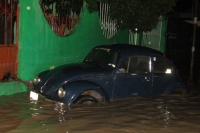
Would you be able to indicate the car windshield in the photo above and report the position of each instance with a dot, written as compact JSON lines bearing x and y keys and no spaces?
{"x":103,"y":56}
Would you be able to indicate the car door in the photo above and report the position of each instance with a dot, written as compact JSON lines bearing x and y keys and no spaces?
{"x":163,"y":74}
{"x":133,"y":78}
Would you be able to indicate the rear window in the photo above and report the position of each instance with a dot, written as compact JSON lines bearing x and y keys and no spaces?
{"x":162,"y":65}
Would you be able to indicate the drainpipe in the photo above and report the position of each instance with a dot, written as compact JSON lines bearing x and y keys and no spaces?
{"x":194,"y":39}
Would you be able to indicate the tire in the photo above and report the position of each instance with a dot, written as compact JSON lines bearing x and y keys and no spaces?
{"x":85,"y":99}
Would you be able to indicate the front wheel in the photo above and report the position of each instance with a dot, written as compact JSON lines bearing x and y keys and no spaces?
{"x":85,"y":99}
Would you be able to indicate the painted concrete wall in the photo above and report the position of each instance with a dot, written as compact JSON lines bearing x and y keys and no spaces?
{"x":163,"y":36}
{"x":9,"y":88}
{"x":156,"y":39}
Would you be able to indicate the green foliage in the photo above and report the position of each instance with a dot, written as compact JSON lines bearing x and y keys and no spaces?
{"x":47,"y":2}
{"x":63,"y":7}
{"x":131,"y":14}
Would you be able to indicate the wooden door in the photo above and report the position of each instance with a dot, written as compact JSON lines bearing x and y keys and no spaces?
{"x":8,"y":38}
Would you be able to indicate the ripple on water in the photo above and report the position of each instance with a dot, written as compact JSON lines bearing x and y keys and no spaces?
{"x":165,"y":113}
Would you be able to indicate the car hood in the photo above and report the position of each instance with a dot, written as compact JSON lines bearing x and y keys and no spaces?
{"x":76,"y":71}
{"x":84,"y":70}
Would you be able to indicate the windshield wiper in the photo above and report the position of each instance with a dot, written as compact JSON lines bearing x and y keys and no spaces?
{"x":93,"y":61}
{"x":101,"y":63}
{"x":97,"y":62}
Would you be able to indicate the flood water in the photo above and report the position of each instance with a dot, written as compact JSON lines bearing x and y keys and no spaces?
{"x":164,"y":114}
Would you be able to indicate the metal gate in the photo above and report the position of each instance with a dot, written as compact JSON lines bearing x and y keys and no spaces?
{"x":8,"y":38}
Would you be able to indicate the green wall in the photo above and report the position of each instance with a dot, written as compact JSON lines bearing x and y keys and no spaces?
{"x":8,"y":88}
{"x":40,"y":49}
{"x":158,"y":41}
{"x":163,"y":37}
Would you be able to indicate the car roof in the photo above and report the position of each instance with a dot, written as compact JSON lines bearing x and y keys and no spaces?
{"x":135,"y":49}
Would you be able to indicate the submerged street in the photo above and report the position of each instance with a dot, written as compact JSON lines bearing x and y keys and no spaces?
{"x":166,"y":114}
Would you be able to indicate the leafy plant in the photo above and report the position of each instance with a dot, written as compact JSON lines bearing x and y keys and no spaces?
{"x":131,"y":14}
{"x":63,"y":7}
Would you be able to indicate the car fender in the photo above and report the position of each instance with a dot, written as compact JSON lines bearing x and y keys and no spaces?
{"x":174,"y":85}
{"x":76,"y":88}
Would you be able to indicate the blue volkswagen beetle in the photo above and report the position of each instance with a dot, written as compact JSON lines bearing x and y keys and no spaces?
{"x":109,"y":72}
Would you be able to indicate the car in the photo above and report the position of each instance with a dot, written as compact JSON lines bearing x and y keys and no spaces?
{"x":108,"y":72}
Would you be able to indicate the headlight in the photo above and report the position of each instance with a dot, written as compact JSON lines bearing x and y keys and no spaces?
{"x":61,"y":92}
{"x":36,"y":80}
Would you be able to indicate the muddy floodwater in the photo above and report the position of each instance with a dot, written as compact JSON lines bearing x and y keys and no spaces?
{"x":176,"y":113}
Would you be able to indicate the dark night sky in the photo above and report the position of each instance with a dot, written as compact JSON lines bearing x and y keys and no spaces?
{"x":184,"y":9}
{"x":183,"y":5}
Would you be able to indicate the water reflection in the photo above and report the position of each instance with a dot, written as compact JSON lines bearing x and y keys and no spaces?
{"x":166,"y":113}
{"x":60,"y":109}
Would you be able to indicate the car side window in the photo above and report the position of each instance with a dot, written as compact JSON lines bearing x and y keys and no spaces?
{"x":135,"y":65}
{"x":162,"y":65}
{"x":124,"y":66}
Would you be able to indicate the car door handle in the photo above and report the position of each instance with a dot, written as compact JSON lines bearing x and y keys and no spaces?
{"x":147,"y":78}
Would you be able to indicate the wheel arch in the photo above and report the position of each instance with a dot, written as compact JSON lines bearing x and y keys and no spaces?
{"x":83,"y":87}
{"x":175,"y":85}
{"x":94,"y":93}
